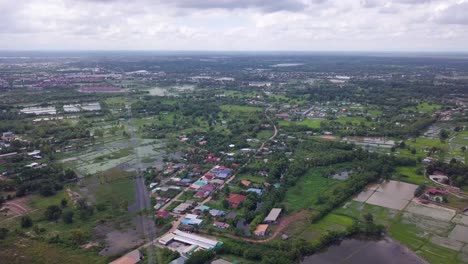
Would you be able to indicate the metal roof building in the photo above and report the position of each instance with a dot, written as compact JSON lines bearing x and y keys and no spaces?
{"x":273,"y":215}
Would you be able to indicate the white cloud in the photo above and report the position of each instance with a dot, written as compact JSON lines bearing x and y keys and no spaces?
{"x":235,"y":24}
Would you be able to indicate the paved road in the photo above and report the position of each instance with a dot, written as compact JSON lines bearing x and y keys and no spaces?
{"x":145,"y":225}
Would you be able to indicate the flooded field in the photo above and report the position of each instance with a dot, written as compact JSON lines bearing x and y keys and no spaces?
{"x":391,"y":194}
{"x":169,"y":90}
{"x":357,"y":251}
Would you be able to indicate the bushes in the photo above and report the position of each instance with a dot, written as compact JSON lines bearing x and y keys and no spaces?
{"x":67,"y":217}
{"x":420,"y":190}
{"x":53,"y":213}
{"x":201,"y":257}
{"x":26,"y":221}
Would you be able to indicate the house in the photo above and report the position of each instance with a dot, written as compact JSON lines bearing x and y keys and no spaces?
{"x":231,"y":215}
{"x":201,"y":208}
{"x":221,"y":261}
{"x":179,"y":260}
{"x":216,"y":213}
{"x":261,"y":230}
{"x":217,"y":182}
{"x":246,"y":183}
{"x":163,"y":214}
{"x":221,"y":225}
{"x":435,"y":195}
{"x":201,"y":194}
{"x":8,"y":136}
{"x":207,"y":188}
{"x":235,"y":199}
{"x":191,"y":220}
{"x":189,"y":238}
{"x":272,"y":217}
{"x":255,"y":190}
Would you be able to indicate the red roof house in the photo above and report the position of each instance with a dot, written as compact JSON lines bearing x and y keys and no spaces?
{"x":236,"y":199}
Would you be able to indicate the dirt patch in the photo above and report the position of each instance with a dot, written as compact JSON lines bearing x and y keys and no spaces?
{"x":117,"y":241}
{"x":16,"y":207}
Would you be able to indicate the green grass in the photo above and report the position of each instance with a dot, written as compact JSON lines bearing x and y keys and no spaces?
{"x":26,"y":250}
{"x":331,"y":222}
{"x":435,"y":254}
{"x":355,"y":120}
{"x":356,"y":210}
{"x":312,"y":123}
{"x":114,"y":155}
{"x":121,"y":189}
{"x":408,"y":234}
{"x":240,"y":108}
{"x":425,"y":107}
{"x":41,"y":203}
{"x":264,"y":134}
{"x":306,"y":191}
{"x":409,"y":175}
{"x":252,"y":178}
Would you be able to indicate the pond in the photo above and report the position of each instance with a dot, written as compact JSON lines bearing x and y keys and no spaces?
{"x":357,"y":251}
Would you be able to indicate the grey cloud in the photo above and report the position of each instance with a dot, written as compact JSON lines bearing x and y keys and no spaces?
{"x":266,"y":6}
{"x":455,"y":14}
{"x":263,"y":5}
{"x":379,"y":3}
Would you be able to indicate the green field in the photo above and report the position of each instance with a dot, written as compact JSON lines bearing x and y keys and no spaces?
{"x":264,"y":134}
{"x":240,"y":108}
{"x":356,"y":210}
{"x":332,"y":222}
{"x":424,"y":107}
{"x":312,"y":123}
{"x":408,"y":174}
{"x":355,"y":120}
{"x":306,"y":191}
{"x":43,"y":252}
{"x":252,"y":178}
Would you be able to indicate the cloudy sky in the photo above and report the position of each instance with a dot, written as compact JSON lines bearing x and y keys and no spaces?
{"x":310,"y":25}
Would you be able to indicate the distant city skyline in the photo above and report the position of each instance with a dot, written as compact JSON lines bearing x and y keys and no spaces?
{"x":235,"y":25}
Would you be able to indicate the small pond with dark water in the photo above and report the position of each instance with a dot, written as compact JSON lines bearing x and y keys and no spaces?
{"x":358,"y":251}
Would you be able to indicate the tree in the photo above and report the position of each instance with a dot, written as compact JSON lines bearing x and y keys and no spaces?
{"x":420,"y":190}
{"x":53,"y":213}
{"x":369,"y":218}
{"x":200,"y":257}
{"x":46,"y":189}
{"x":225,"y":204}
{"x":3,"y":233}
{"x":67,"y":217}
{"x":77,"y":236}
{"x":26,"y":221}
{"x":63,"y":203}
{"x":443,"y":134}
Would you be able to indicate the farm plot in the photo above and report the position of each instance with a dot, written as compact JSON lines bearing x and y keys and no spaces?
{"x":392,"y":194}
{"x":446,"y":242}
{"x":432,"y":211}
{"x":460,"y":233}
{"x":461,"y":219}
{"x":427,"y":224}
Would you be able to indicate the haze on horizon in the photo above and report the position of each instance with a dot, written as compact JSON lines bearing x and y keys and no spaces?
{"x":230,"y":25}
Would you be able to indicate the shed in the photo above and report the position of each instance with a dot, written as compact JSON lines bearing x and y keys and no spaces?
{"x":272,"y":217}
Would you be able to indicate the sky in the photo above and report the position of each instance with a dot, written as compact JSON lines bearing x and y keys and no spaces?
{"x":235,"y":25}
